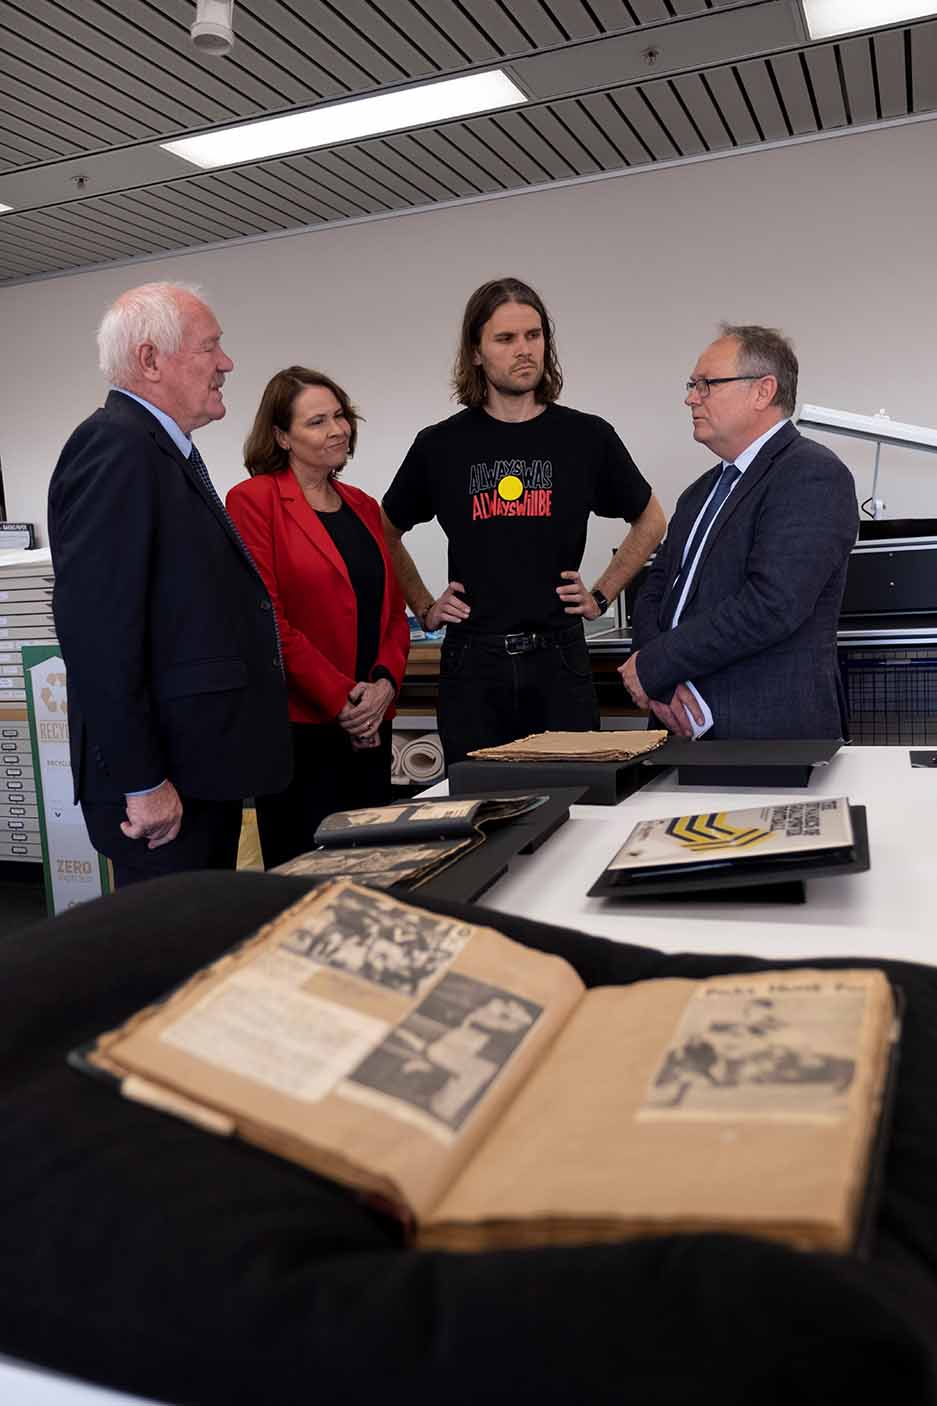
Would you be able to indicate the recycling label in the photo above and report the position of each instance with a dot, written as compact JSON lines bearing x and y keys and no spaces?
{"x":74,"y":871}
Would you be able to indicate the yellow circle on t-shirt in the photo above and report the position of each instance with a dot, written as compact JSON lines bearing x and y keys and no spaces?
{"x":510,"y":488}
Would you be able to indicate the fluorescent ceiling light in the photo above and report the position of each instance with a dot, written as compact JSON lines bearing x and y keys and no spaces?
{"x":825,"y":18}
{"x":342,"y":122}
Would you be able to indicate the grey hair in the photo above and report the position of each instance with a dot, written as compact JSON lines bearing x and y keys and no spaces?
{"x":764,"y":351}
{"x":150,"y":313}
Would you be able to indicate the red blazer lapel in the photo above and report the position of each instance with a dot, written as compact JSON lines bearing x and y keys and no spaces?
{"x":307,"y":520}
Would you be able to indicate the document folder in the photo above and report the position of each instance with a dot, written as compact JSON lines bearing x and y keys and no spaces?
{"x":773,"y":879}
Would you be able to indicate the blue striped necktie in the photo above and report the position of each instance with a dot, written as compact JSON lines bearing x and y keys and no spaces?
{"x":198,"y":464}
{"x":724,"y":487}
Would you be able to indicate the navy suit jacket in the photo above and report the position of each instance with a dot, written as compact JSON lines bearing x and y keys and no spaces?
{"x":166,"y":628}
{"x":757,"y":634}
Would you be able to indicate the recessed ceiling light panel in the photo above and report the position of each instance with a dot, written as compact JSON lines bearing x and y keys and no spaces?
{"x":827,"y":18}
{"x":348,"y":121}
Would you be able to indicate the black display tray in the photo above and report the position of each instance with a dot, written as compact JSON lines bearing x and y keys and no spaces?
{"x":762,"y":763}
{"x":605,"y":783}
{"x":469,"y":877}
{"x":751,"y":881}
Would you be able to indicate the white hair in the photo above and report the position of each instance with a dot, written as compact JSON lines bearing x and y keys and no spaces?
{"x":150,"y":313}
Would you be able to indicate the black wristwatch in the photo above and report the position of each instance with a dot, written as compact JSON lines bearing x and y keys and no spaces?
{"x":601,"y":601}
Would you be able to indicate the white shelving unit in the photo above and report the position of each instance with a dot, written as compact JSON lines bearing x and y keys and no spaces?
{"x":26,"y":582}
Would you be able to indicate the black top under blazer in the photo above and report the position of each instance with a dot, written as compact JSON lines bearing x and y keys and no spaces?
{"x":757,"y":635}
{"x":166,"y":628}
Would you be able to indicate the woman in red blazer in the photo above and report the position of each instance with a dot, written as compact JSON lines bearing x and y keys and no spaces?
{"x":319,"y":547}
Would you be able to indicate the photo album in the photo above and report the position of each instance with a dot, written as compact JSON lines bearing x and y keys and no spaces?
{"x":405,"y":842}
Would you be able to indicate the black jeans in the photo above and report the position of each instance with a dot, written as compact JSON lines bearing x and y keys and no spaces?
{"x":327,"y":775}
{"x":489,"y":695}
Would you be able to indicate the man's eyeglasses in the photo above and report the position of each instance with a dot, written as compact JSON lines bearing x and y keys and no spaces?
{"x":704,"y":384}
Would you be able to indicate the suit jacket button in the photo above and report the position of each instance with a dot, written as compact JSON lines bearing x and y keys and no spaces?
{"x":265,"y":604}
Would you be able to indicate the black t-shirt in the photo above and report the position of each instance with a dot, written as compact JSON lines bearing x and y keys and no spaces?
{"x":514,"y":501}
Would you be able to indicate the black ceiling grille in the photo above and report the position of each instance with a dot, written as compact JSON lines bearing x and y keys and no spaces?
{"x":80,"y":79}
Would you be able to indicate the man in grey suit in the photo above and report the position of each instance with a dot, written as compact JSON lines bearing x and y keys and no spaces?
{"x":735,"y":628}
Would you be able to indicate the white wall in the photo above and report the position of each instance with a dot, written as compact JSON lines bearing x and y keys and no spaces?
{"x":833,"y":241}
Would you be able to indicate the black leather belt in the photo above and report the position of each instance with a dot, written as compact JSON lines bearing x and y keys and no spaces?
{"x":527,"y":641}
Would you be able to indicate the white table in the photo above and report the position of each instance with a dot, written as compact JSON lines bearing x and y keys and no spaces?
{"x":24,"y":1385}
{"x":891,"y":911}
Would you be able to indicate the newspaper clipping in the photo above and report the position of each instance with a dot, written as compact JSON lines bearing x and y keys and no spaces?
{"x":785,"y":1051}
{"x":383,"y":942}
{"x":394,"y":949}
{"x":444,"y":1056}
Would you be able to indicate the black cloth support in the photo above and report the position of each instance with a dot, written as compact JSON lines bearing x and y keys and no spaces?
{"x":145,"y":1254}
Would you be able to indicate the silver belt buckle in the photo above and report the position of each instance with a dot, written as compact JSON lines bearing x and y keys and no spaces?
{"x":521,"y":643}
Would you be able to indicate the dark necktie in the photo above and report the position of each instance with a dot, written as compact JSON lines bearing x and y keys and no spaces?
{"x":198,"y":464}
{"x":723,"y":488}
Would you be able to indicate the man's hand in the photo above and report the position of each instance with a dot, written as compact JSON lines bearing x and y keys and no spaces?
{"x":448,"y":609}
{"x":665,"y":714}
{"x":629,"y":677}
{"x":576,"y":596}
{"x":675,"y":715}
{"x":155,"y":817}
{"x":364,"y":712}
{"x":683,"y":705}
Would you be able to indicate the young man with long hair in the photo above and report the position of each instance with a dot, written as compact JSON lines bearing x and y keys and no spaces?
{"x":512,"y":480}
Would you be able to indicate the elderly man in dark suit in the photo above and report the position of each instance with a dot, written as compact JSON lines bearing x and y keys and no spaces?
{"x":177,"y":702}
{"x":735,"y":628}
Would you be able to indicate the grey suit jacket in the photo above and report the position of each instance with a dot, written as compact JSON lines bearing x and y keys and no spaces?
{"x":757,"y":634}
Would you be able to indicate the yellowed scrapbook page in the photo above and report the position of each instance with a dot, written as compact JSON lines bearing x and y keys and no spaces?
{"x":420,"y":819}
{"x":382,"y":866}
{"x":744,"y":1104}
{"x":360,"y":1036}
{"x":476,"y":1089}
